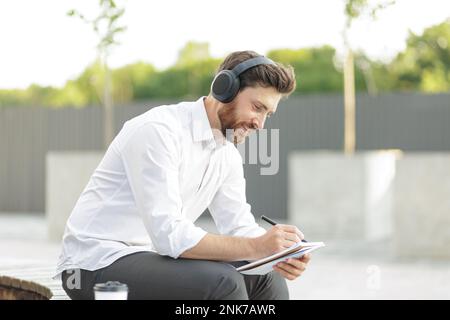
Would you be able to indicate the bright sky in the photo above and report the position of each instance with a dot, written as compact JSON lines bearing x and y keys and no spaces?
{"x":40,"y":44}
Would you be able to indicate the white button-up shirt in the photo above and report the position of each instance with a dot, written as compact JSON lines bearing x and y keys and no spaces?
{"x":159,"y":174}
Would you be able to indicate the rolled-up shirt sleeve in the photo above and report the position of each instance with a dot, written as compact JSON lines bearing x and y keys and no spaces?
{"x":151,"y":157}
{"x":229,"y":208}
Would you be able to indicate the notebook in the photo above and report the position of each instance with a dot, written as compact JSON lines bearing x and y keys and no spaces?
{"x":264,"y":265}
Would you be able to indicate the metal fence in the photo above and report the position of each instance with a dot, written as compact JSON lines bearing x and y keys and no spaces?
{"x":392,"y":121}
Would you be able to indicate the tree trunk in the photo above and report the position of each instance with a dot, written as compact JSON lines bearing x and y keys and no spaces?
{"x":108,"y":112}
{"x":349,"y":104}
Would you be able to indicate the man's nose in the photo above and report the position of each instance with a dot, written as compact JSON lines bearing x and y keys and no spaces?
{"x":259,"y":122}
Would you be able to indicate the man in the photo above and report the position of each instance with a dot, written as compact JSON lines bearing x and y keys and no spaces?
{"x":134,"y":221}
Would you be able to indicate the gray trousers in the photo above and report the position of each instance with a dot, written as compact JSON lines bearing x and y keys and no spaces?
{"x":151,"y":276}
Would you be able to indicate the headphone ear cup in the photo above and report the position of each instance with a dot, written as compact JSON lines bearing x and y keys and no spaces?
{"x":223,"y":86}
{"x":234,"y":89}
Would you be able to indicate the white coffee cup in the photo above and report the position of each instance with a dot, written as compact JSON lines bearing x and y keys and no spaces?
{"x":111,"y":290}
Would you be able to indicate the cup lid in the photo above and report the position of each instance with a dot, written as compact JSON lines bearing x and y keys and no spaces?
{"x":111,"y":286}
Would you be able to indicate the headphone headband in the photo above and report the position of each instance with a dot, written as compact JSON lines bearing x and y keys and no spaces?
{"x":250,"y":63}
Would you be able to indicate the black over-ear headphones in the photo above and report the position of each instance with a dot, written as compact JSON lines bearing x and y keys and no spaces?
{"x":226,"y":83}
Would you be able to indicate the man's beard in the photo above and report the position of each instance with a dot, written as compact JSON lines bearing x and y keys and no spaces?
{"x":228,"y":121}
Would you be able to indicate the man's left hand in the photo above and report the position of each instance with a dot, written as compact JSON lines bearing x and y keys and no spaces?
{"x":293,"y":267}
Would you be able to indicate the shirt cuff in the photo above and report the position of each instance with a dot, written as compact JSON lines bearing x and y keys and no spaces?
{"x":191,"y":236}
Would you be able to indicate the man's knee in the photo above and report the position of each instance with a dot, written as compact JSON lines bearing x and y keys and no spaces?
{"x":229,"y":285}
{"x":271,"y":286}
{"x":276,"y":288}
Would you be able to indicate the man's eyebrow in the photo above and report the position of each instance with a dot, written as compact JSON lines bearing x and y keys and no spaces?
{"x":262,"y":104}
{"x":265,"y":107}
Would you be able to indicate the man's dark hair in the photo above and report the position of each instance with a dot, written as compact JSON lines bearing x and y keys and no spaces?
{"x":278,"y":76}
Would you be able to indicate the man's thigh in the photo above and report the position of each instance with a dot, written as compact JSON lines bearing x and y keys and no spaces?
{"x":152,"y":276}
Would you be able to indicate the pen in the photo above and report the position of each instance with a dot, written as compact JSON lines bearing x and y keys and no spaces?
{"x":274,"y":223}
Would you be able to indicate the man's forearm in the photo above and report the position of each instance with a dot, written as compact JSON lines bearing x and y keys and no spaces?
{"x":222,"y":248}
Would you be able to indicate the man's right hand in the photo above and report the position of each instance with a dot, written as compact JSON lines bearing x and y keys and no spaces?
{"x":232,"y":248}
{"x":276,"y":239}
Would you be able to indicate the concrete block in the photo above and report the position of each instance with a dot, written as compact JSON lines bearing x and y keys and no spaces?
{"x":422,"y":206}
{"x":338,"y":196}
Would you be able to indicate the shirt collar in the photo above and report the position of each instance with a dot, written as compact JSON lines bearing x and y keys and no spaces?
{"x":201,"y":128}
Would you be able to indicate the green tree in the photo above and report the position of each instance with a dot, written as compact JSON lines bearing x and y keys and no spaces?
{"x":314,"y":68}
{"x":423,"y":66}
{"x":192,"y":53}
{"x":353,"y":10}
{"x":133,"y":82}
{"x":106,"y":27}
{"x":425,"y":63}
{"x":195,"y":67}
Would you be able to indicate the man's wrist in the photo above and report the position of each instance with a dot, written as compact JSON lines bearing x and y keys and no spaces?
{"x":251,"y":248}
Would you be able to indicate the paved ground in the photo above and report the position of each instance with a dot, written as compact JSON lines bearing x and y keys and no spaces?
{"x":342,"y":270}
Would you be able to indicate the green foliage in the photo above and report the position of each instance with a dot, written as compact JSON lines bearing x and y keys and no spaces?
{"x":355,"y":8}
{"x":192,"y":53}
{"x":315,"y":70}
{"x":132,"y":82}
{"x":189,"y":77}
{"x":423,"y":66}
{"x":105,"y":24}
{"x":425,"y":63}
